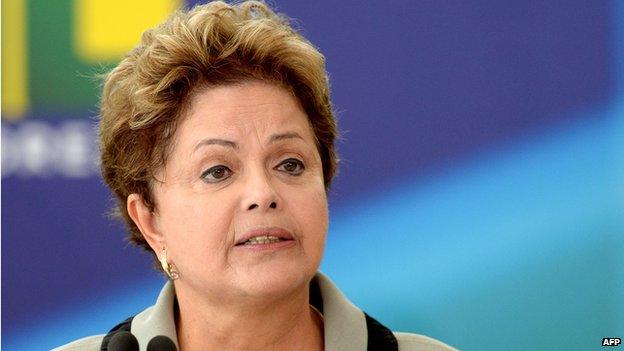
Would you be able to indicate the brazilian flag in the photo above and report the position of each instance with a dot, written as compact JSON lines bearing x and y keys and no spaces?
{"x":52,"y":50}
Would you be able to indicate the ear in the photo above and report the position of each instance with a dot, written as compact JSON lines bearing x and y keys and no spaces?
{"x":146,"y":221}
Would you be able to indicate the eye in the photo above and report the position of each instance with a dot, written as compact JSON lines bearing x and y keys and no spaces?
{"x":292,"y":166}
{"x":216,"y":174}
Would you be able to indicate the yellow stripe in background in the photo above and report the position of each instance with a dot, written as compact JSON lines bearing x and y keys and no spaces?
{"x":105,"y":30}
{"x":14,"y":59}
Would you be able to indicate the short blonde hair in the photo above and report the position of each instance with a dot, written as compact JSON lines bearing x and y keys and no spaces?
{"x":210,"y":45}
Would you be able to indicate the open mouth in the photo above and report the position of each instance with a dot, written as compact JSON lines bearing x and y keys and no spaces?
{"x":263,"y":239}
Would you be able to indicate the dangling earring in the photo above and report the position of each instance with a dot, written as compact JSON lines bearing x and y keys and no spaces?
{"x":167,"y":267}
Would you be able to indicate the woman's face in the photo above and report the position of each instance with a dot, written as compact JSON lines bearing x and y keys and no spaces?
{"x":244,"y":165}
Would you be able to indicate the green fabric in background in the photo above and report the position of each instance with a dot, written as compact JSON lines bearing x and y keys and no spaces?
{"x":60,"y":83}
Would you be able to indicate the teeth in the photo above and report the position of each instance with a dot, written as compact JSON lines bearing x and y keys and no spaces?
{"x":264,"y":239}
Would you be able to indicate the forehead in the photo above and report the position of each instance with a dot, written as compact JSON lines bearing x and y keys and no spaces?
{"x":238,"y":110}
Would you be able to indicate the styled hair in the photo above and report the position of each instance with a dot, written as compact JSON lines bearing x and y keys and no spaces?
{"x":215,"y":44}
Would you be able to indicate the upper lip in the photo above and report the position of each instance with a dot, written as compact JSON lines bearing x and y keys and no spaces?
{"x":272,"y":231}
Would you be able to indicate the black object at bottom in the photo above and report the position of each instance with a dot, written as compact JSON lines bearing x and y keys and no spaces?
{"x":121,"y":327}
{"x":380,"y":338}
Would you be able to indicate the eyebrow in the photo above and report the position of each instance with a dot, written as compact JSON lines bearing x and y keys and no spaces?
{"x":233,"y":145}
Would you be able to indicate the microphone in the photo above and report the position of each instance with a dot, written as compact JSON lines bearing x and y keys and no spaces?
{"x":161,"y":343}
{"x":123,"y":341}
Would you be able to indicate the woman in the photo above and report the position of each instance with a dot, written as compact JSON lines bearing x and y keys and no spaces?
{"x":217,"y":138}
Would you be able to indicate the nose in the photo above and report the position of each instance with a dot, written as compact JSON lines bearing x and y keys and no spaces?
{"x":260,"y":194}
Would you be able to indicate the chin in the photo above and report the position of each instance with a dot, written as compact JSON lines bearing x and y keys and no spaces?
{"x":279,"y":281}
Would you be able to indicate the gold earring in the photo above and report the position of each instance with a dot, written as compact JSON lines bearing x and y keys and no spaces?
{"x":171,"y":272}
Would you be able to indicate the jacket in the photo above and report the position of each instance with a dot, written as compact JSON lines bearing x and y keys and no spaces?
{"x":347,"y":328}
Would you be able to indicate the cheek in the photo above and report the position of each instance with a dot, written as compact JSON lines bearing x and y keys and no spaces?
{"x":313,"y":215}
{"x":196,"y":222}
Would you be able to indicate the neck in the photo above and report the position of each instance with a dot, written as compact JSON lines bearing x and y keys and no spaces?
{"x":287,"y":323}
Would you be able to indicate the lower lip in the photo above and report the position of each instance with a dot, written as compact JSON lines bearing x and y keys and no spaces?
{"x":268,"y":246}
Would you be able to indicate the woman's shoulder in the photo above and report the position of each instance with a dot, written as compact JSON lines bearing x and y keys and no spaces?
{"x":90,"y":343}
{"x":409,"y":342}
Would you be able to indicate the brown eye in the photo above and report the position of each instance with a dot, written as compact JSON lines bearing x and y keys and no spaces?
{"x":216,"y":174}
{"x":292,"y":166}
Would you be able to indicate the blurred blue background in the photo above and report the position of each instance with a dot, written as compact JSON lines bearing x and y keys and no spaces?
{"x":479,"y":199}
